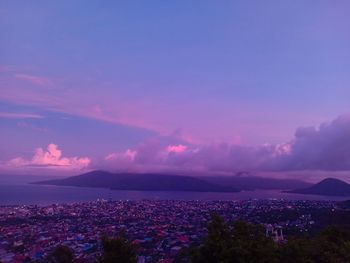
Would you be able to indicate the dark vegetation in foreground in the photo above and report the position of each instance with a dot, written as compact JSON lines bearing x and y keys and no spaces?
{"x":235,"y":242}
{"x":245,"y":242}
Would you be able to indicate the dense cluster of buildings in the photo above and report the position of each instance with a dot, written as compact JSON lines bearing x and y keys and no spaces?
{"x":159,"y":228}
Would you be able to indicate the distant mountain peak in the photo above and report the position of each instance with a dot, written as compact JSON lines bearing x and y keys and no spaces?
{"x":332,"y":180}
{"x":328,"y":186}
{"x":243,"y":174}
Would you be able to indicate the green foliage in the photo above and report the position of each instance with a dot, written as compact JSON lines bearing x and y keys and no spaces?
{"x":296,"y":250}
{"x":216,"y":244}
{"x":242,"y":242}
{"x":331,"y":245}
{"x":118,"y":250}
{"x":250,"y":244}
{"x":61,"y":254}
{"x":246,"y":243}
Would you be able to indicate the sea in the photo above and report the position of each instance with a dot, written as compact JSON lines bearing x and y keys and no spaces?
{"x":28,"y":194}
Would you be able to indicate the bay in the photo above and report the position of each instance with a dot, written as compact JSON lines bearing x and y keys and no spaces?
{"x":28,"y":194}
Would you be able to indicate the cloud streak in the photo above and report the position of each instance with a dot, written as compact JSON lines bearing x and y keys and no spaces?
{"x":158,"y":114}
{"x":36,"y":80}
{"x":11,"y":115}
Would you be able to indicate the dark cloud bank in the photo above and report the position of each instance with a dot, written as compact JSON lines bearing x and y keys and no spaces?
{"x":324,"y":148}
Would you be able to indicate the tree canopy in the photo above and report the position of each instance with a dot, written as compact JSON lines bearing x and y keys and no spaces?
{"x":243,"y":242}
{"x":118,"y":250}
{"x":61,"y":254}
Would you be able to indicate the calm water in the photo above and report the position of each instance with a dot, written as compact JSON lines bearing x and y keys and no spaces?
{"x":43,"y":195}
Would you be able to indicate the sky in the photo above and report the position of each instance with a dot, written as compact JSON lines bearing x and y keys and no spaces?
{"x":208,"y":86}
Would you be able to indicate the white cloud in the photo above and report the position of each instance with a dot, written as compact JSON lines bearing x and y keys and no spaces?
{"x":51,"y":158}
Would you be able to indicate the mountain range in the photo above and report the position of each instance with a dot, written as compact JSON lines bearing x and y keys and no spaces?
{"x":140,"y":182}
{"x":248,"y":182}
{"x":167,"y":182}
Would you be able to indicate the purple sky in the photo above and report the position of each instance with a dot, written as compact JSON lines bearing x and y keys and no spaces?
{"x":214,"y":86}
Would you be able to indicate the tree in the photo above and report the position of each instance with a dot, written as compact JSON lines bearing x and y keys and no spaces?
{"x":242,"y":242}
{"x":215,"y":244}
{"x":118,"y":250}
{"x":61,"y":254}
{"x":332,"y":245}
{"x":296,"y":250}
{"x":250,"y":244}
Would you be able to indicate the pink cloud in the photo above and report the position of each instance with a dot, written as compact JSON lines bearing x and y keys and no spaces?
{"x":127,"y":155}
{"x":326,"y":148}
{"x":176,"y":148}
{"x":51,"y":158}
{"x":215,"y":157}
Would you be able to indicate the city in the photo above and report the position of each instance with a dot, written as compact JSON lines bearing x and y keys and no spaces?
{"x":160,"y":229}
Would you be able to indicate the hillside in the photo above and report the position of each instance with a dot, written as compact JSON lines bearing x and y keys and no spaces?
{"x":250,"y":182}
{"x":140,"y":182}
{"x":329,"y":186}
